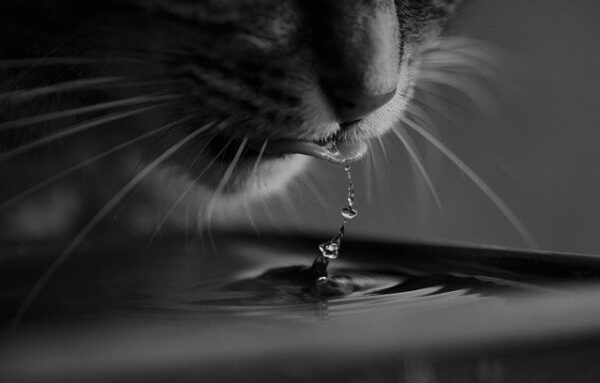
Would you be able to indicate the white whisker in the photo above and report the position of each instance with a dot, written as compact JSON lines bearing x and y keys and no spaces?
{"x":446,"y":100}
{"x":188,"y":189}
{"x":313,"y":186}
{"x":85,"y":109}
{"x":370,"y":171}
{"x":248,"y":210}
{"x":71,"y":131}
{"x":478,"y":181}
{"x":226,"y":176}
{"x":383,"y":150}
{"x":477,"y":94}
{"x":246,"y":203}
{"x":261,"y":153}
{"x":85,"y":163}
{"x":416,"y":159}
{"x":453,"y":43}
{"x":58,"y":61}
{"x":24,"y":95}
{"x":110,"y":205}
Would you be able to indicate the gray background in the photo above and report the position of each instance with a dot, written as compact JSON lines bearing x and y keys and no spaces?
{"x":538,"y":149}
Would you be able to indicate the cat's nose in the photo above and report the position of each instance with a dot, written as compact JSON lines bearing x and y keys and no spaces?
{"x":353,"y":103}
{"x":358,"y":49}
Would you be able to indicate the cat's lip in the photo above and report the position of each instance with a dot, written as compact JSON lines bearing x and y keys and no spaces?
{"x":342,"y":152}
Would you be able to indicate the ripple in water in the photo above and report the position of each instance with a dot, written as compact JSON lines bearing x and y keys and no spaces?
{"x":293,"y":289}
{"x":177,"y":281}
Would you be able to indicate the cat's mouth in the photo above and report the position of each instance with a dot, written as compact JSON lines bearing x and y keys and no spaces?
{"x":336,"y":148}
{"x":337,"y":152}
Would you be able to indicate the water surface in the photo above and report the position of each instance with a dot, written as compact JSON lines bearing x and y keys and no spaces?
{"x":386,"y":310}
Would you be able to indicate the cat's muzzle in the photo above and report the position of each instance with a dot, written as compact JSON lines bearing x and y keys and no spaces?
{"x":335,"y":150}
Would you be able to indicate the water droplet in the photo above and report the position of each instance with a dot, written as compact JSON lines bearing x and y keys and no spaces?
{"x":351,"y":199}
{"x":332,"y":147}
{"x":330,"y":250}
{"x":349,"y":212}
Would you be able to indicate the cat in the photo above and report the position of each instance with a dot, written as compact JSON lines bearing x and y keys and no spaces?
{"x":179,"y":106}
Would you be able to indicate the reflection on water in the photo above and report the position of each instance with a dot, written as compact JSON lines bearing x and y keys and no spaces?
{"x":188,"y":307}
{"x":236,"y":279}
{"x":293,"y":291}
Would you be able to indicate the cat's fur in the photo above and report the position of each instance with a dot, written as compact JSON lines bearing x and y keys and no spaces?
{"x":255,"y":69}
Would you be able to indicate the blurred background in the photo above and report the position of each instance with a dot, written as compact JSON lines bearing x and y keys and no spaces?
{"x":537,"y":148}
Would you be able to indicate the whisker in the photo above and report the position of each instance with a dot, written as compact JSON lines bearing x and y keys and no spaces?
{"x":85,"y":163}
{"x":444,"y":55}
{"x":248,"y":211}
{"x":247,"y":208}
{"x":478,"y":181}
{"x":180,"y":198}
{"x":386,"y":160}
{"x":383,"y":150}
{"x":483,"y":54}
{"x":412,"y":151}
{"x":289,"y":207}
{"x":265,"y":206}
{"x":218,"y":191}
{"x":58,"y":61}
{"x":226,"y":176}
{"x":261,"y":153}
{"x":476,"y":93}
{"x":370,"y":172}
{"x":421,"y":102}
{"x":24,"y":95}
{"x":80,"y":237}
{"x":73,"y":130}
{"x":454,"y":43}
{"x":444,"y":59}
{"x":313,"y":185}
{"x":476,"y":59}
{"x":188,"y":189}
{"x":85,"y":109}
{"x":447,"y":100}
{"x":459,"y":69}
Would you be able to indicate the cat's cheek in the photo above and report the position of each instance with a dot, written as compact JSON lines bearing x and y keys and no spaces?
{"x":273,"y":175}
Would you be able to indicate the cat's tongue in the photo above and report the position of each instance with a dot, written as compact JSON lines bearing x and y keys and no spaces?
{"x":337,"y":153}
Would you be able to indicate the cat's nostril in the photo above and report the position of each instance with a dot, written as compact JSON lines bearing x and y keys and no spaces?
{"x":356,"y":43}
{"x":351,"y":105}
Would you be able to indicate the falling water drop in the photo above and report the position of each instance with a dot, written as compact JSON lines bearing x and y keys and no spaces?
{"x":349,"y":213}
{"x":330,"y":249}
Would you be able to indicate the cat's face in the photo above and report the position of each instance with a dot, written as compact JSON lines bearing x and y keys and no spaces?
{"x":261,"y":79}
{"x":278,"y":76}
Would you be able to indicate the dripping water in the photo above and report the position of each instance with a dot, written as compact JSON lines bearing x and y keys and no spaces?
{"x":267,"y":291}
{"x":330,"y":250}
{"x":314,"y":283}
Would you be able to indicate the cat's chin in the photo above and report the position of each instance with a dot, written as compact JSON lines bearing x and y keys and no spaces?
{"x":177,"y":195}
{"x":271,"y":176}
{"x":247,"y":179}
